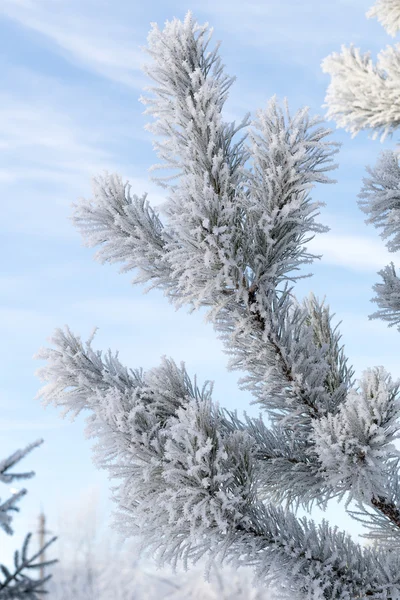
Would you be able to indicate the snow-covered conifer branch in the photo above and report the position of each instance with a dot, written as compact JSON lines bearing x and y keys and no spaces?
{"x":189,"y":478}
{"x":355,"y":446}
{"x":16,"y":584}
{"x":381,"y":517}
{"x":388,"y":14}
{"x":289,"y":155}
{"x":187,"y":104}
{"x":232,"y":234}
{"x":287,"y":471}
{"x":339,"y":376}
{"x":78,"y":376}
{"x":388,"y":296}
{"x":219,"y":221}
{"x":363,"y":95}
{"x":324,"y":457}
{"x":12,"y":460}
{"x":81,"y":371}
{"x":126,"y":228}
{"x":296,"y":370}
{"x":380,"y":197}
{"x":6,"y":507}
{"x":194,"y":478}
{"x":10,"y":505}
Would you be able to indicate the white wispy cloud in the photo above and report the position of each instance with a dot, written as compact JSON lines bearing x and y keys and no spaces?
{"x":49,"y":157}
{"x":159,"y":327}
{"x":354,"y":252}
{"x":87,"y":34}
{"x":292,"y":33}
{"x":40,"y":141}
{"x":9,"y":425}
{"x":128,"y":311}
{"x":104,"y":39}
{"x":16,"y":322}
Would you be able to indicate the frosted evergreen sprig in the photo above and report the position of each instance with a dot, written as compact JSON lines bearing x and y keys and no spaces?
{"x":361,"y":94}
{"x":289,"y":155}
{"x":216,"y":196}
{"x":356,"y":445}
{"x":339,"y":377}
{"x":79,"y":378}
{"x":364,"y":95}
{"x":388,"y":296}
{"x":189,"y":477}
{"x":5,"y":509}
{"x":12,"y":460}
{"x":295,"y":369}
{"x":231,"y":234}
{"x":16,"y":584}
{"x":287,"y":472}
{"x":10,"y":505}
{"x":327,"y":458}
{"x":381,"y":517}
{"x":188,"y":100}
{"x":388,"y":14}
{"x":380,"y":197}
{"x":126,"y":228}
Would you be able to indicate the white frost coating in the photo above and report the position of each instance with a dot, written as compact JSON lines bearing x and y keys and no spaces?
{"x":380,"y":197}
{"x":219,"y":214}
{"x":388,"y":14}
{"x":363,"y":95}
{"x":355,"y":446}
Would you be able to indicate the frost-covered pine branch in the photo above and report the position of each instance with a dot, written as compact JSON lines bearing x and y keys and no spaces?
{"x":189,"y":476}
{"x":361,"y":96}
{"x":356,"y":445}
{"x":97,"y":566}
{"x":380,"y":199}
{"x":232,"y":235}
{"x":196,"y":480}
{"x":17,"y":584}
{"x":388,"y":14}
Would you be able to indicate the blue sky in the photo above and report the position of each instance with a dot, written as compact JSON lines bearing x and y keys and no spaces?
{"x":71,"y":79}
